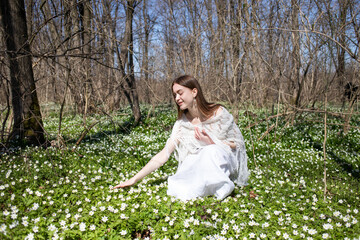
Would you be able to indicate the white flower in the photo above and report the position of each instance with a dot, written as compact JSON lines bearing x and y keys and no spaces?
{"x":337,"y":213}
{"x":35,"y":229}
{"x":3,"y":229}
{"x":277,"y":212}
{"x":123,"y":232}
{"x":265,"y":225}
{"x":82,"y":226}
{"x":52,"y":228}
{"x":327,"y":226}
{"x":325,"y":236}
{"x":92,"y":227}
{"x":186,"y":224}
{"x":30,"y":236}
{"x":55,"y":236}
{"x":312,"y":231}
{"x":104,"y":219}
{"x":305,"y":228}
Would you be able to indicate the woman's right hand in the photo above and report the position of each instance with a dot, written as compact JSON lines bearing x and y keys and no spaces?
{"x":127,"y":183}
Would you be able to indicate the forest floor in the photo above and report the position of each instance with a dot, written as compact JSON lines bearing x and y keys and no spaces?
{"x":65,"y":192}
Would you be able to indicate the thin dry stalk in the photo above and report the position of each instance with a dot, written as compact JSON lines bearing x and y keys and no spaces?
{"x":267,"y":132}
{"x":277,"y":115}
{"x":252,"y":142}
{"x":324,"y":147}
{"x":84,"y":133}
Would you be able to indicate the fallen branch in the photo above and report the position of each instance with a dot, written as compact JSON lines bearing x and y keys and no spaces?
{"x":267,"y":132}
{"x":84,"y":133}
{"x":268,"y":118}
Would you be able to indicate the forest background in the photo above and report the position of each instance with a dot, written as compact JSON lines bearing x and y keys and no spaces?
{"x":90,"y":81}
{"x":97,"y":56}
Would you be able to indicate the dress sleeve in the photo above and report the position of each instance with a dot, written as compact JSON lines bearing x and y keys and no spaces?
{"x":230,"y":132}
{"x":234,"y":135}
{"x":173,"y":141}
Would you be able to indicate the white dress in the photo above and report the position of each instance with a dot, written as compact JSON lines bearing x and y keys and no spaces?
{"x":208,"y":169}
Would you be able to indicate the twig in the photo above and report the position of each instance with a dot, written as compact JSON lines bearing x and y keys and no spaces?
{"x":86,"y":130}
{"x":267,"y":132}
{"x":324,"y":148}
{"x":268,"y":118}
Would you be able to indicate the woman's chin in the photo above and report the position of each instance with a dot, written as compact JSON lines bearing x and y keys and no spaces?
{"x":182,"y":107}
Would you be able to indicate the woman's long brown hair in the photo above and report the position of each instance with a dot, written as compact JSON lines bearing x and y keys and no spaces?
{"x":206,"y":109}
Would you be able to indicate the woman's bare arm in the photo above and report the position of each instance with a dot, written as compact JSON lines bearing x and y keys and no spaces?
{"x":157,"y":161}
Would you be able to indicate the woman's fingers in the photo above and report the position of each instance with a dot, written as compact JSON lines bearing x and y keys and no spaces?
{"x":205,"y":134}
{"x":202,"y":136}
{"x":197,"y":133}
{"x":128,"y":183}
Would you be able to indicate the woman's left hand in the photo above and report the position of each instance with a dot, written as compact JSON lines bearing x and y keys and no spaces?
{"x":203,"y":136}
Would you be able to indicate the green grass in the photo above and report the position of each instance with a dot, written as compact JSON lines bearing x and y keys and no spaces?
{"x":59,"y":193}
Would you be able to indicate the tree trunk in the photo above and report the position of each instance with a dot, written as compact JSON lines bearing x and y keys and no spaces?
{"x":295,"y":40}
{"x":340,"y":71}
{"x":28,"y":124}
{"x":127,"y":63}
{"x":145,"y":62}
{"x":86,"y":49}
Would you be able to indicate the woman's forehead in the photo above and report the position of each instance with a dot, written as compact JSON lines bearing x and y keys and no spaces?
{"x":177,"y":87}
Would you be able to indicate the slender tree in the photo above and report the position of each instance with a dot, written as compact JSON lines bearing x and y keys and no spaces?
{"x":125,"y":57}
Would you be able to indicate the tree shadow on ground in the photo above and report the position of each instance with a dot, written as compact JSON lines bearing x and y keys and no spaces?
{"x":346,"y":166}
{"x":123,"y":128}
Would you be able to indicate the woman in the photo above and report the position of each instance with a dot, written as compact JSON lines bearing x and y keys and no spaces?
{"x":208,"y":146}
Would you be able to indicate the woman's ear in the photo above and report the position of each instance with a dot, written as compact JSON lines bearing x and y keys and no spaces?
{"x":194,"y":92}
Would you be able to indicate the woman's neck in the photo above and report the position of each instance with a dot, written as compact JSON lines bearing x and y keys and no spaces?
{"x":193,"y":112}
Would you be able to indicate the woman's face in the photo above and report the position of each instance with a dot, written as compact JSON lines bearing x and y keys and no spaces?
{"x":184,"y":97}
